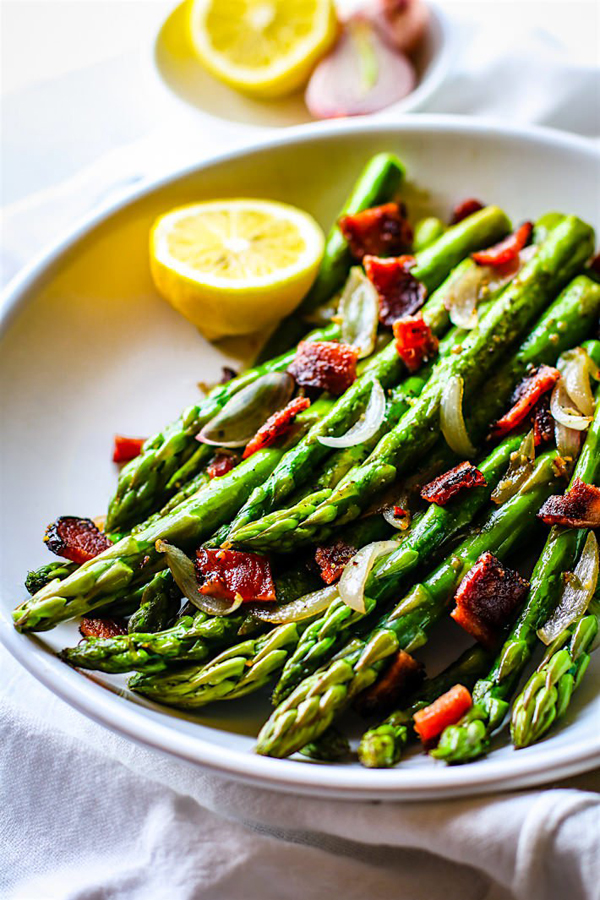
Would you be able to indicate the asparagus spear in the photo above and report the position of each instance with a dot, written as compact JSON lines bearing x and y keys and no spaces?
{"x":377,"y":183}
{"x":250,"y":664}
{"x":317,"y":700}
{"x":382,"y":746}
{"x":470,"y":738}
{"x":39,"y":578}
{"x":387,"y":367}
{"x":143,"y":482}
{"x":193,"y":637}
{"x":548,"y":692}
{"x":557,"y":260}
{"x":159,"y":604}
{"x":332,"y":746}
{"x":125,"y":564}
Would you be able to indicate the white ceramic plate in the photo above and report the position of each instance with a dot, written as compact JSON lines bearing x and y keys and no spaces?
{"x":87,"y":349}
{"x":179,"y":68}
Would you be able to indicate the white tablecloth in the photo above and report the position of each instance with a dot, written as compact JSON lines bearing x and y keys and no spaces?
{"x":86,"y":814}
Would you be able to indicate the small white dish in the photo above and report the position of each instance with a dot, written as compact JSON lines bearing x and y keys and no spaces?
{"x":87,"y":349}
{"x":180,"y":69}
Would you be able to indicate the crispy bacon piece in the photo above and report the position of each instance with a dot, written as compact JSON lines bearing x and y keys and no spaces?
{"x":445,"y":486}
{"x":400,"y":294}
{"x":578,"y":508}
{"x":127,"y":448}
{"x":543,"y":421}
{"x":75,"y":539}
{"x":414,"y":341}
{"x":381,"y":231}
{"x":486,"y":597}
{"x":332,"y":558}
{"x":225,"y":574}
{"x":276,"y":426}
{"x":446,"y":710}
{"x":525,"y":398}
{"x":221,"y":464}
{"x":102,"y":628}
{"x":464,"y":209}
{"x":325,"y":365}
{"x":507,"y":250}
{"x":401,"y":677}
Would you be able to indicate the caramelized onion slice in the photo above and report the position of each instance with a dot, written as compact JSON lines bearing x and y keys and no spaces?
{"x":367,"y":425}
{"x":351,"y":585}
{"x":452,"y":423}
{"x":246,"y":411}
{"x":577,"y":594}
{"x":359,"y":309}
{"x":303,"y":608}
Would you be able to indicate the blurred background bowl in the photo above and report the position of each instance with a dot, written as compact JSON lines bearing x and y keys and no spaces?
{"x":182,"y":72}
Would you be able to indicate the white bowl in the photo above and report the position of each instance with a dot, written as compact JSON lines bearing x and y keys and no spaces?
{"x":178,"y":67}
{"x":87,"y":349}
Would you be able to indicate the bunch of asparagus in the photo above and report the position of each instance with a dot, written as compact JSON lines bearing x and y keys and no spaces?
{"x":300,"y":492}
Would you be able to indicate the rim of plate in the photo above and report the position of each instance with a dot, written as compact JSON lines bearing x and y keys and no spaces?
{"x":98,"y":703}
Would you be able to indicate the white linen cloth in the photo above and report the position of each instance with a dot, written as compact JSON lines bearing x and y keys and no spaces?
{"x":88,"y":815}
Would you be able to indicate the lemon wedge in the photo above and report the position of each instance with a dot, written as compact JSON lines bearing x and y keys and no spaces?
{"x":265,"y":48}
{"x":235,"y":266}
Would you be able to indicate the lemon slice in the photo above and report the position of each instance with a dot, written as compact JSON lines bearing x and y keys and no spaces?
{"x":266,"y":48}
{"x":235,"y":266}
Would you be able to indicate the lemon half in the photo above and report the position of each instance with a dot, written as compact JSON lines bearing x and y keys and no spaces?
{"x":265,"y":48}
{"x":235,"y":266}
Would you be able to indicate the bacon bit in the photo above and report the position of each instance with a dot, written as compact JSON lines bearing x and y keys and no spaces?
{"x":332,"y":560}
{"x":578,"y":508}
{"x":76,"y":539}
{"x":525,"y":398}
{"x":543,"y":422}
{"x":507,"y":250}
{"x":380,"y":231}
{"x":228,"y":573}
{"x":102,"y":628}
{"x":399,"y":511}
{"x":446,"y":710}
{"x":486,"y":598}
{"x":414,"y":341}
{"x":400,"y":294}
{"x":276,"y":426}
{"x":325,"y":365}
{"x":464,"y":209}
{"x":221,"y":464}
{"x":445,"y":486}
{"x":401,"y":677}
{"x":127,"y":448}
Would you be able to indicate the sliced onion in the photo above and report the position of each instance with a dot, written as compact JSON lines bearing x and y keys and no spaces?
{"x":452,"y":422}
{"x":577,"y":594}
{"x":303,"y":608}
{"x":184,"y":574}
{"x":242,"y":416}
{"x":359,"y":309}
{"x":563,"y":411}
{"x":576,"y":368}
{"x":568,"y":441}
{"x":473,"y":283}
{"x":351,"y":586}
{"x":400,"y":523}
{"x":520,"y":467}
{"x":368,"y":424}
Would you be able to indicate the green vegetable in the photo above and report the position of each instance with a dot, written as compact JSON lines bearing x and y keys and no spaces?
{"x":315,"y":703}
{"x":470,"y":738}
